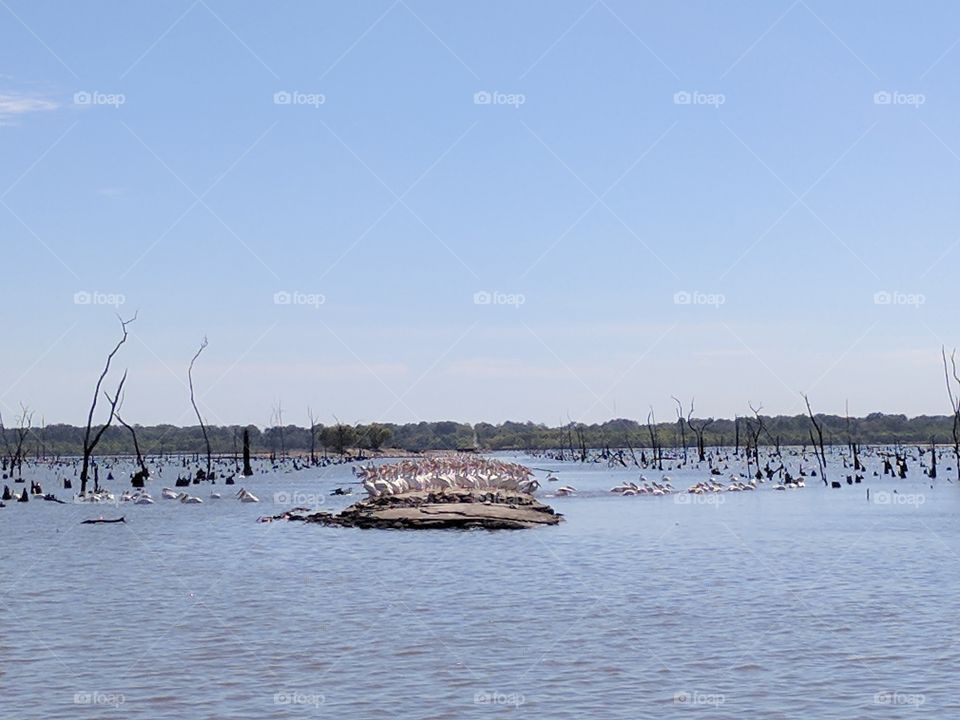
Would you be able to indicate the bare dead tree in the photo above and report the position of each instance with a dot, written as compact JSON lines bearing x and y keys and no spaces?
{"x":278,"y":419}
{"x":954,"y":402}
{"x":313,"y":436}
{"x":817,"y":441}
{"x":91,"y":436}
{"x":341,"y":438}
{"x":654,"y":440}
{"x":7,"y":448}
{"x":203,"y":428}
{"x":681,"y":423}
{"x":933,"y":459}
{"x":633,"y":454}
{"x":853,"y":445}
{"x":18,"y":451}
{"x":144,"y":471}
{"x":247,"y":469}
{"x":756,"y":430}
{"x":581,"y":441}
{"x":42,"y":439}
{"x":698,"y":431}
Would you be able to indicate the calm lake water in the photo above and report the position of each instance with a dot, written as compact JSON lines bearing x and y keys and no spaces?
{"x":797,"y":604}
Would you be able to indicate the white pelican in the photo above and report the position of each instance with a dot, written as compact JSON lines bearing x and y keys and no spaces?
{"x":169,"y":494}
{"x":247,"y":496}
{"x":189,"y":499}
{"x":529,"y":486}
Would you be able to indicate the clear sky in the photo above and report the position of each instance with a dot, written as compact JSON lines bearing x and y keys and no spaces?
{"x":423,"y":210}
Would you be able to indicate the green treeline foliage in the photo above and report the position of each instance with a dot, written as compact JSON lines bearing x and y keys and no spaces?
{"x":876,"y":428}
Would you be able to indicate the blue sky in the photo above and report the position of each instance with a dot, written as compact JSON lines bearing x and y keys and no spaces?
{"x":732,"y":201}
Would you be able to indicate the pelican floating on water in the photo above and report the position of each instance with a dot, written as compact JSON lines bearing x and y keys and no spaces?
{"x":247,"y":496}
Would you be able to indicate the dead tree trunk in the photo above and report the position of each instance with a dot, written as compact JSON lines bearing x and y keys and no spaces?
{"x":247,"y":470}
{"x":313,"y":436}
{"x":654,"y":440}
{"x":278,"y":418}
{"x":203,"y":428}
{"x":954,"y":404}
{"x":144,"y":471}
{"x":633,"y":454}
{"x":8,"y":449}
{"x":817,"y":442}
{"x":91,"y":437}
{"x":683,"y":431}
{"x":698,"y":431}
{"x":24,"y":425}
{"x":756,"y":431}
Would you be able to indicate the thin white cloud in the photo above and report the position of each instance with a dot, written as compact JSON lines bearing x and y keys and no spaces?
{"x":12,"y":105}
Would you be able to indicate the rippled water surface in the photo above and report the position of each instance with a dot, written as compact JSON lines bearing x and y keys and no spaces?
{"x":805,"y":603}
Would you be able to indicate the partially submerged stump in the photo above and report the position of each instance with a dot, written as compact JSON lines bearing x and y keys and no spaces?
{"x":101,"y":520}
{"x":431,"y":510}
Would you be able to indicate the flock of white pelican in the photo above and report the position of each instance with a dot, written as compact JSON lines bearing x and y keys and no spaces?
{"x":701,"y":488}
{"x":458,"y":472}
{"x":665,"y":486}
{"x":645,"y":487}
{"x":142,"y":497}
{"x":445,"y":473}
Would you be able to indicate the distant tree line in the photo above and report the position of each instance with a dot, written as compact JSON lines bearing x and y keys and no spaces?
{"x":341,"y":438}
